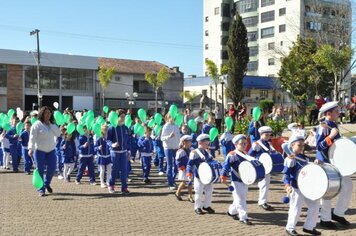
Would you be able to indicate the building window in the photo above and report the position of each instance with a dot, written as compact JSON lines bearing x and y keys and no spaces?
{"x":267,"y":16}
{"x":225,"y":10}
{"x":250,"y":21}
{"x":246,"y":92}
{"x":313,"y":26}
{"x":206,"y":33}
{"x":206,"y":18}
{"x":49,"y":77}
{"x":216,"y":11}
{"x":224,"y":55}
{"x":252,"y":66}
{"x":253,"y":51}
{"x":265,"y":3}
{"x":263,"y":93}
{"x":267,"y":32}
{"x":252,"y":36}
{"x":224,"y":40}
{"x":77,"y":79}
{"x":247,"y":6}
{"x":282,"y":11}
{"x":271,"y":61}
{"x":281,"y":43}
{"x":225,"y":26}
{"x":206,"y":46}
{"x":282,"y":28}
{"x":3,"y":76}
{"x":271,"y":46}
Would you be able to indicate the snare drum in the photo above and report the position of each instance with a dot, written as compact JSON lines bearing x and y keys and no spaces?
{"x":342,"y":154}
{"x":251,"y":172}
{"x":273,"y":163}
{"x":319,"y":181}
{"x":209,"y":172}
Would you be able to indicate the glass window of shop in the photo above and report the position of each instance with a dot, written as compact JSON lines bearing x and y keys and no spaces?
{"x":77,"y":79}
{"x":49,"y":77}
{"x":3,"y":75}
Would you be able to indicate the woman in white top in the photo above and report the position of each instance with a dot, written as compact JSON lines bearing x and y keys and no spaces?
{"x":170,"y":137}
{"x":42,"y":146}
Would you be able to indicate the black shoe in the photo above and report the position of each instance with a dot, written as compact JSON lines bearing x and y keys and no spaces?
{"x":246,"y":222}
{"x":28,"y":173}
{"x":179,"y":198}
{"x":235,"y":217}
{"x":328,"y":224}
{"x":49,"y":189}
{"x":199,"y":211}
{"x":266,"y":207}
{"x":340,"y":219}
{"x":312,"y":232}
{"x":292,"y":232}
{"x":209,"y":210}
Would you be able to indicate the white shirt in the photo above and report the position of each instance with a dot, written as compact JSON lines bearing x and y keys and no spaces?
{"x":170,"y":142}
{"x":43,"y":137}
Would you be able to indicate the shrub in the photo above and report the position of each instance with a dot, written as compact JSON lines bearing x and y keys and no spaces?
{"x":266,"y":105}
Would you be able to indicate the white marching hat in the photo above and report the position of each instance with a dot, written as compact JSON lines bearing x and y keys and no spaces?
{"x":238,"y":137}
{"x":328,"y":106}
{"x":295,"y":138}
{"x":203,"y":137}
{"x":185,"y":138}
{"x":265,"y":129}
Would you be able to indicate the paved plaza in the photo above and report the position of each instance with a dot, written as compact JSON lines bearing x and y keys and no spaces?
{"x":149,"y":210}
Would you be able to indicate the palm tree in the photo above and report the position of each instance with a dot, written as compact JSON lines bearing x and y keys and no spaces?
{"x":189,"y":96}
{"x":105,"y":76}
{"x":156,"y":81}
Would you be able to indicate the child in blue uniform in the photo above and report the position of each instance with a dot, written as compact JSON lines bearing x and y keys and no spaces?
{"x":86,"y":156}
{"x":68,"y":153}
{"x":196,"y":157}
{"x":58,"y":152}
{"x":13,"y":140}
{"x":24,"y":143}
{"x":253,"y":129}
{"x":226,"y":143}
{"x":326,"y":133}
{"x":214,"y":145}
{"x":159,"y":152}
{"x":102,"y":150}
{"x":257,"y":148}
{"x":238,"y":209}
{"x":145,"y":146}
{"x":292,"y":165}
{"x":182,"y":158}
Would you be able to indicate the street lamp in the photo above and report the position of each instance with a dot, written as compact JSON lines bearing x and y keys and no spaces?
{"x":131,"y":98}
{"x":39,"y":95}
{"x":222,"y":101}
{"x":211,"y":95}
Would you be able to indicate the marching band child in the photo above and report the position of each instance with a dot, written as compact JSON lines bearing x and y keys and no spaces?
{"x":326,"y":133}
{"x":257,"y":148}
{"x":86,"y":153}
{"x":238,"y":209}
{"x":226,"y":143}
{"x":102,"y":150}
{"x":145,"y":146}
{"x":13,"y":140}
{"x":253,"y":129}
{"x":214,"y":145}
{"x":159,"y":151}
{"x":196,"y":157}
{"x":24,"y":143}
{"x":68,"y":153}
{"x":292,"y":165}
{"x":58,"y":152}
{"x":182,"y":158}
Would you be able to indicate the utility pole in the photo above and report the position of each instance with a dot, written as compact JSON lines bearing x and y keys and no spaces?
{"x":39,"y":95}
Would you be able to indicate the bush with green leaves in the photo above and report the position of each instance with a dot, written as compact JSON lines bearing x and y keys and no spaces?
{"x":241,"y":127}
{"x":266,"y":105}
{"x":277,"y":126}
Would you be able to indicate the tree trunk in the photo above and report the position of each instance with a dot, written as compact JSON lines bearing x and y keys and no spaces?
{"x":156,"y":97}
{"x":103,"y":101}
{"x":335,"y":87}
{"x":216,"y":95}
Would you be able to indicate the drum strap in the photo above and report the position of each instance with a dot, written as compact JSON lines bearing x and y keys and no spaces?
{"x":200,"y":154}
{"x":263,"y":146}
{"x":247,"y":157}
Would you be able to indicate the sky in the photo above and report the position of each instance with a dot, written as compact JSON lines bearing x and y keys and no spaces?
{"x":167,"y":31}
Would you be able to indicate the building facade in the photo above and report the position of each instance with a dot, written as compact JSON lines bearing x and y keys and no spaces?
{"x":272,"y":27}
{"x":73,"y":82}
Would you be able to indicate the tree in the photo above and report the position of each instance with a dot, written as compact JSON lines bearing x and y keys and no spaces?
{"x":300,"y":76}
{"x":238,"y":57}
{"x":156,"y":81}
{"x":335,"y":61}
{"x":105,"y":76}
{"x":212,"y":70}
{"x":189,"y":96}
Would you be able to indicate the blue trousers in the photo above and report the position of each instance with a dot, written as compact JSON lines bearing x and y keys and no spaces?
{"x":83,"y":163}
{"x":146,"y":166}
{"x":119,"y":161}
{"x":60,"y":164}
{"x":27,"y":160}
{"x":45,"y":160}
{"x":1,"y":157}
{"x":14,"y":158}
{"x":171,"y":165}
